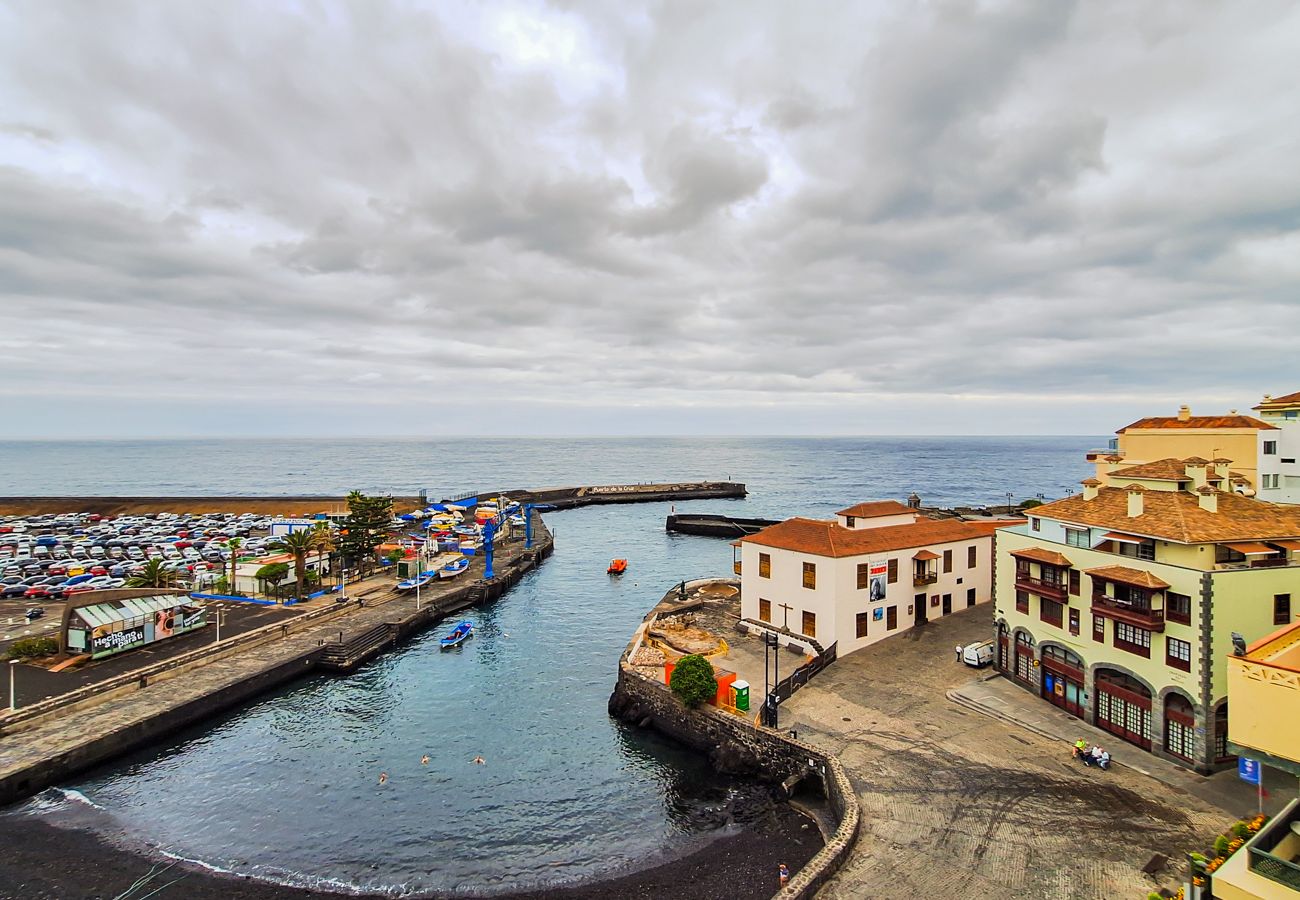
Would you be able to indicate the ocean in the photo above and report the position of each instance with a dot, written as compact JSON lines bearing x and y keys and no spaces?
{"x":286,"y":788}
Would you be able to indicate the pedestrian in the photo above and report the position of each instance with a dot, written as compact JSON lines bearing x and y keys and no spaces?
{"x":1080,"y":747}
{"x":784,"y":871}
{"x":1104,"y":760}
{"x":958,"y":650}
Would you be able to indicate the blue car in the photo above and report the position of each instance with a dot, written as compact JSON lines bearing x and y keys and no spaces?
{"x":77,"y":579}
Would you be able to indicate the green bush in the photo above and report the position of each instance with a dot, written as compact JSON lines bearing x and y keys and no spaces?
{"x":1221,"y":845}
{"x":1030,"y":504}
{"x":1240,"y":830}
{"x":33,"y":647}
{"x":693,"y":681}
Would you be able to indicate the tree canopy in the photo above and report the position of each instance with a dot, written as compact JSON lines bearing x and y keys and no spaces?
{"x":693,"y":680}
{"x":367,"y":524}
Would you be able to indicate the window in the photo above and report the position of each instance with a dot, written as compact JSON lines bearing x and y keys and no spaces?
{"x":1035,"y":523}
{"x":893,"y":571}
{"x":947,"y":560}
{"x":1178,"y":608}
{"x":1281,"y":609}
{"x":1290,"y":414}
{"x":1221,"y":751}
{"x":809,"y":624}
{"x":1144,"y":550}
{"x":1180,"y":727}
{"x":1270,"y":448}
{"x":764,"y":610}
{"x":864,"y":577}
{"x":1289,"y":459}
{"x":1074,"y":621}
{"x":1049,"y":611}
{"x":1078,"y":537}
{"x":1133,"y":639}
{"x":1225,"y":554}
{"x":1099,"y":629}
{"x":862,"y":624}
{"x":971,"y":556}
{"x":1022,"y":602}
{"x":810,"y":575}
{"x":849,"y":522}
{"x":1074,"y":582}
{"x":1272,"y":481}
{"x":1178,"y":654}
{"x":764,"y":565}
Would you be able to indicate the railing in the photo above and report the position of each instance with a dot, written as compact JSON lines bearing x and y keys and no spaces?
{"x":920,"y":578}
{"x":1127,"y":610}
{"x":1056,"y":590}
{"x":1275,"y":868}
{"x":786,"y":687}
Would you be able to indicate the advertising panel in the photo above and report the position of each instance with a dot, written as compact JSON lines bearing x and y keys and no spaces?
{"x":879,"y":579}
{"x":104,"y":641}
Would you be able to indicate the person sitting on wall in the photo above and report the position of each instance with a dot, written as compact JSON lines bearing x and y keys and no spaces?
{"x":1080,"y":747}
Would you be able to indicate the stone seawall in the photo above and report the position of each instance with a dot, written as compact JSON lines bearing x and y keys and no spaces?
{"x":738,"y":746}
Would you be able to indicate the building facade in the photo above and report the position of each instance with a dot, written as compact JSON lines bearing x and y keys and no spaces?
{"x":1243,"y":441}
{"x":1118,"y":605}
{"x":877,"y":570}
{"x":1264,"y":690}
{"x":1280,"y":449}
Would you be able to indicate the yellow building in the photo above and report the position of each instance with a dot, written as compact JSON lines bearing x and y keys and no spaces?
{"x":1118,"y":605}
{"x":1264,"y":690}
{"x":1238,"y":439}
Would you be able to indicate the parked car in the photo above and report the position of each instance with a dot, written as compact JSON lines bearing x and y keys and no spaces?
{"x":34,"y":613}
{"x":978,"y":655}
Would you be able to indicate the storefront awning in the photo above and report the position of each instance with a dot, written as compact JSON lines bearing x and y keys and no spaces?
{"x":1125,"y":538}
{"x":1252,"y":548}
{"x":1288,"y":544}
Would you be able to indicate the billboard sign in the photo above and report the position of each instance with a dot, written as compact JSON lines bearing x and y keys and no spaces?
{"x":104,"y":642}
{"x":878,"y":580}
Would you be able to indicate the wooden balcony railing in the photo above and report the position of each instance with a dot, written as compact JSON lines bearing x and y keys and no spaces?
{"x":920,"y":578}
{"x":1128,"y":611}
{"x":1056,"y":590}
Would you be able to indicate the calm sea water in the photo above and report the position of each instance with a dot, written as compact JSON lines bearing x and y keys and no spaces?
{"x":286,"y":788}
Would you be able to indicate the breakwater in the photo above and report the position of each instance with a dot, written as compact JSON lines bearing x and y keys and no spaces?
{"x":739,"y":746}
{"x":715,"y":525}
{"x":73,"y":732}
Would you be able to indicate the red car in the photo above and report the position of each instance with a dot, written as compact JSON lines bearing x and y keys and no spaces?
{"x":77,"y":589}
{"x":98,"y":570}
{"x":39,"y":590}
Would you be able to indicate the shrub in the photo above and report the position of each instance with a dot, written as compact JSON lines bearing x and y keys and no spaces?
{"x":1221,"y":845}
{"x":692,"y":680}
{"x":33,"y":647}
{"x":1240,"y":829}
{"x":1030,"y":504}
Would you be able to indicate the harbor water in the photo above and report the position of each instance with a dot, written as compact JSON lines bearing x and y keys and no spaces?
{"x":287,"y":788}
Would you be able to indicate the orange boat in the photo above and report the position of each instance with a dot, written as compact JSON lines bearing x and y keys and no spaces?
{"x":617,"y":567}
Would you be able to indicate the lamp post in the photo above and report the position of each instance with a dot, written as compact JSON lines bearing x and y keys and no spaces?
{"x":1009,"y":496}
{"x":419,"y":574}
{"x":221,"y":614}
{"x":13,"y":701}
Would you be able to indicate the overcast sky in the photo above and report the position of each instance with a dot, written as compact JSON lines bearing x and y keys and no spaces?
{"x":590,"y":217}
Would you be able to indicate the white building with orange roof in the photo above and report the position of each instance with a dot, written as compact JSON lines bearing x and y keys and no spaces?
{"x":1280,"y":481}
{"x":876,"y":570}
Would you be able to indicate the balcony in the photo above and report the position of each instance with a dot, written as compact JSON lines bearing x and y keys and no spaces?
{"x":922,"y":578}
{"x":1123,"y":610}
{"x":1053,"y":590}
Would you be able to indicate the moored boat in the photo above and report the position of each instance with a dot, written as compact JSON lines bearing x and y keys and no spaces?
{"x":457,"y":636}
{"x":420,"y":580}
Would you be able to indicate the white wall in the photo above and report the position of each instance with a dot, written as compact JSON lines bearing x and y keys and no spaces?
{"x":878,"y":521}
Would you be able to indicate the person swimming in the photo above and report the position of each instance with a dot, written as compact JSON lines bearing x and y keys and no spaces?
{"x":424,"y":760}
{"x":383,"y":777}
{"x":479,"y":761}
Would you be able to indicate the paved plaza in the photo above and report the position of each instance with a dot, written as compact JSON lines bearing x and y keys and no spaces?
{"x":956,"y":803}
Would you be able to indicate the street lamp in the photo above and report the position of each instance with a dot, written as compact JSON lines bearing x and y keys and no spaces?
{"x":13,"y":703}
{"x":419,"y":574}
{"x":221,"y":614}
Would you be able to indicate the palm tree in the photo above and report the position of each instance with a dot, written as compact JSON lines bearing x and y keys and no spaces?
{"x":233,"y":545}
{"x":323,"y":541}
{"x":299,"y":543}
{"x":154,"y":575}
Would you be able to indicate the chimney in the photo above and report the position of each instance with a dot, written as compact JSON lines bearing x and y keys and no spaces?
{"x":1135,"y":492}
{"x":1090,"y":486}
{"x":1222,"y":467}
{"x":1194,"y":466}
{"x":1208,"y":499}
{"x":1184,"y":413}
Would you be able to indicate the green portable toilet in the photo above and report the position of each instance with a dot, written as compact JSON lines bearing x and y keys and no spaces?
{"x":740,"y":695}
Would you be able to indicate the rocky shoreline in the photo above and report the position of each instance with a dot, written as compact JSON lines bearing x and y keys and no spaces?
{"x":42,"y":861}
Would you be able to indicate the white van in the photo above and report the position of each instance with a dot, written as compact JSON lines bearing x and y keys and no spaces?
{"x":978,"y":655}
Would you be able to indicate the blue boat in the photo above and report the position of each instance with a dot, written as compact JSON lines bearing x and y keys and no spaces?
{"x":458,"y":635}
{"x":420,"y":580}
{"x":454,"y":568}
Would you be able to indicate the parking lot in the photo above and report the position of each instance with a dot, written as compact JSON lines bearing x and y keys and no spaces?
{"x":47,"y":559}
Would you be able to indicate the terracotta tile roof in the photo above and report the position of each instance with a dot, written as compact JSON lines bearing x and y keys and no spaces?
{"x":1171,"y":469}
{"x":1279,"y":402}
{"x":875,"y":509}
{"x":1090,"y":482}
{"x":1125,"y":575}
{"x":1042,"y":555}
{"x":1198,"y":422}
{"x":832,"y":539}
{"x":1177,"y":516}
{"x":925,"y":555}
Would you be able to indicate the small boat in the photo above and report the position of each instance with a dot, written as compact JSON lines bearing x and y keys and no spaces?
{"x":617,"y":567}
{"x":457,"y":636}
{"x":454,"y":568}
{"x":418,"y":581}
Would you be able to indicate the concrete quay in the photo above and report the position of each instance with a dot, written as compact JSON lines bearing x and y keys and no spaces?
{"x":52,"y":740}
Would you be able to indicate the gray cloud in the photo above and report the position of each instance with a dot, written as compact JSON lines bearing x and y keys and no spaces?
{"x":1021,"y":216}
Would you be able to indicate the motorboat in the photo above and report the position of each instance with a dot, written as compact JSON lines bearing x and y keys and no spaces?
{"x":617,"y":567}
{"x":418,"y":581}
{"x":454,"y":568}
{"x":458,"y":635}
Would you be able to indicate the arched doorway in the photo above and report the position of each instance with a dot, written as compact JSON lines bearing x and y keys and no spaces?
{"x":1180,"y":727}
{"x":1123,"y":707}
{"x":1063,"y":679}
{"x":1024,"y":658}
{"x":1004,"y":649}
